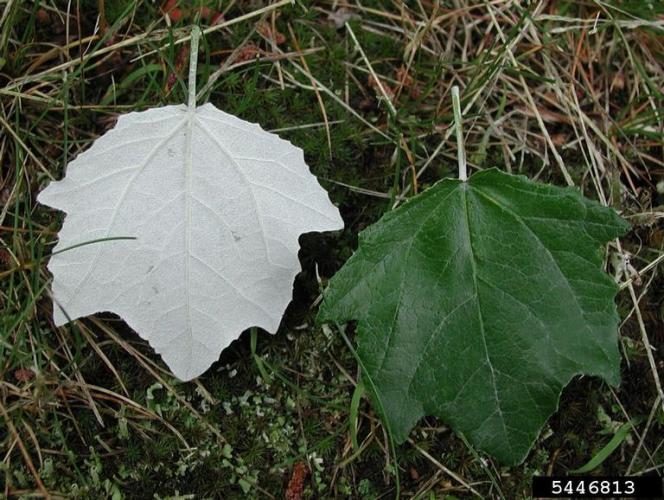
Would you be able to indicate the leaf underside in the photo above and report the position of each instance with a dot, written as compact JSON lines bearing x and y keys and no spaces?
{"x":215,"y":206}
{"x":477,"y":302}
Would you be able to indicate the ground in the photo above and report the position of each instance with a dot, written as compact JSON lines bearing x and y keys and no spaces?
{"x":563,"y":92}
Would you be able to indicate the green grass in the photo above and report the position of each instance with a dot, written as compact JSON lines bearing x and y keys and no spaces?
{"x":89,"y":411}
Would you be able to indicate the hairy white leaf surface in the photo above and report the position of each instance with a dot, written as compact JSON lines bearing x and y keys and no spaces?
{"x":216,"y":206}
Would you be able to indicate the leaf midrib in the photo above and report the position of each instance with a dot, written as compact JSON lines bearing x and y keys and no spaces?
{"x":188,"y":159}
{"x":464,"y":192}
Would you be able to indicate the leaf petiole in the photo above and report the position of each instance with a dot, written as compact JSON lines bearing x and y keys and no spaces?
{"x":193,"y":61}
{"x":461,"y":152}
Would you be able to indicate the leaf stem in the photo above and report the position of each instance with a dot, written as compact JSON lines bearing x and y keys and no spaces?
{"x":461,"y":152}
{"x":193,"y":61}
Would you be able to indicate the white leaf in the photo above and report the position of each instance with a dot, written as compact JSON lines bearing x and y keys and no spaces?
{"x":216,"y":206}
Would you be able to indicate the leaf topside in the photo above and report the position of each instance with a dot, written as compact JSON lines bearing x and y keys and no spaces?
{"x":354,"y":294}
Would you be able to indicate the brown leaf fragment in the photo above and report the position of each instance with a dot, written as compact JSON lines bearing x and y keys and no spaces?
{"x":24,"y":374}
{"x":5,"y":256}
{"x":373,"y":83}
{"x":296,"y":483}
{"x":43,"y":17}
{"x":559,"y":139}
{"x":266,"y":30}
{"x":180,"y":60}
{"x":217,"y":18}
{"x":247,"y":52}
{"x":408,"y":82}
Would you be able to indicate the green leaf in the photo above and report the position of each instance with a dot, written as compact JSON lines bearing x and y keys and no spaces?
{"x":477,"y":302}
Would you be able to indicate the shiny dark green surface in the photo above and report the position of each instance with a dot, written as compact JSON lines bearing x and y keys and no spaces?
{"x":477,"y":302}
